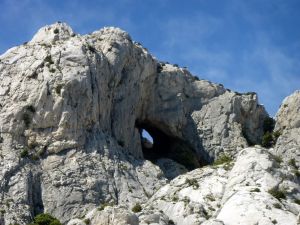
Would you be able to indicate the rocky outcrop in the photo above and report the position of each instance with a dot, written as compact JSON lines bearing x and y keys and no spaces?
{"x":245,"y":191}
{"x":72,"y":111}
{"x":288,"y":125}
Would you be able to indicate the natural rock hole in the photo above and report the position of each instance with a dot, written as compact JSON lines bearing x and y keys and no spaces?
{"x":147,"y":138}
{"x":157,"y":143}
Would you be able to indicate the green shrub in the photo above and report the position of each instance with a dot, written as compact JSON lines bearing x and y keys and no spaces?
{"x":87,"y":221}
{"x":91,"y":48}
{"x":210,"y":197}
{"x":171,"y":222}
{"x":35,"y":157}
{"x":255,"y":190}
{"x":30,"y":108}
{"x":223,"y":158}
{"x":137,"y":208}
{"x":45,"y":219}
{"x":276,"y":193}
{"x":277,"y":158}
{"x":27,"y":115}
{"x":267,"y":140}
{"x":297,"y":201}
{"x":276,"y":135}
{"x":192,"y":182}
{"x":56,"y":31}
{"x":292,"y":162}
{"x":58,"y":88}
{"x":175,"y":199}
{"x":49,"y":59}
{"x":24,"y":153}
{"x":52,"y":70}
{"x":274,"y":221}
{"x":277,"y":205}
{"x":27,"y":119}
{"x":296,"y":173}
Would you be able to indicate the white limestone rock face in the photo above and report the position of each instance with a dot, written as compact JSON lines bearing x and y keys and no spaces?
{"x":72,"y":109}
{"x":229,"y":122}
{"x":191,"y":198}
{"x":108,"y":216}
{"x":248,"y":198}
{"x":237,"y":192}
{"x":288,"y":124}
{"x":288,"y":116}
{"x":52,"y":33}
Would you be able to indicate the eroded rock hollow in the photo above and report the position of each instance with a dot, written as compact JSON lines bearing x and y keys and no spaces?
{"x":72,"y":109}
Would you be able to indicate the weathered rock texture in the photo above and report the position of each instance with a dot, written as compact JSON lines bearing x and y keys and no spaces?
{"x":288,"y":124}
{"x":72,"y":110}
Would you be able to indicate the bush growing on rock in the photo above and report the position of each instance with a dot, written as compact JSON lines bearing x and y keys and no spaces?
{"x":223,"y":158}
{"x":171,"y":222}
{"x":192,"y":182}
{"x":255,"y":190}
{"x":269,"y":138}
{"x":277,"y":205}
{"x":292,"y":163}
{"x":48,"y":59}
{"x":276,"y":193}
{"x":137,"y":208}
{"x":24,"y":153}
{"x":296,"y":172}
{"x":277,"y":158}
{"x":56,"y":31}
{"x":27,"y":115}
{"x":87,"y":221}
{"x":45,"y":219}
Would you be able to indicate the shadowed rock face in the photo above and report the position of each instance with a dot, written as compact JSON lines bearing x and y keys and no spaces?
{"x":71,"y":110}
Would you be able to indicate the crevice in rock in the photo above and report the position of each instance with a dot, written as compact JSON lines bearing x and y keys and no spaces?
{"x":167,"y":146}
{"x":35,"y":194}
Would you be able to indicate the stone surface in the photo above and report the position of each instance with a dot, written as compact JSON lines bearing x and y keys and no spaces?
{"x":108,"y":216}
{"x":247,"y":198}
{"x":72,"y":111}
{"x":288,"y":124}
{"x":288,"y":116}
{"x":232,"y":193}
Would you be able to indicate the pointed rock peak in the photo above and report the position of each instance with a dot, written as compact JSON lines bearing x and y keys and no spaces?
{"x":288,"y":116}
{"x":54,"y":32}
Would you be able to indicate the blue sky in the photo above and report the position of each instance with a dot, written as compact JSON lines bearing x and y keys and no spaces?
{"x":247,"y":45}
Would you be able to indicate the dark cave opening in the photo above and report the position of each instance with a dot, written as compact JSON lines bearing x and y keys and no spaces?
{"x":164,"y":145}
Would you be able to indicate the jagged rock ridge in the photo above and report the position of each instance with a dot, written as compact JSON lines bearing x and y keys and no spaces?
{"x":72,"y":109}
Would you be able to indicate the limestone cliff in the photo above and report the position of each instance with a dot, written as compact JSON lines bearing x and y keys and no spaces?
{"x":72,"y":111}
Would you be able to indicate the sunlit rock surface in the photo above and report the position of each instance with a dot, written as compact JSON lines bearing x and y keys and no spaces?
{"x":72,"y":112}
